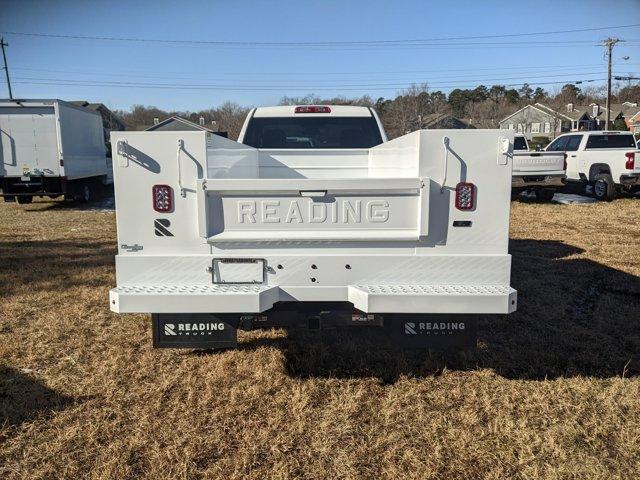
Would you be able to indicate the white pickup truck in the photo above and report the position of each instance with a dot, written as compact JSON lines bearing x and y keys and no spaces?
{"x":539,"y":172}
{"x":605,"y":160}
{"x":312,"y":219}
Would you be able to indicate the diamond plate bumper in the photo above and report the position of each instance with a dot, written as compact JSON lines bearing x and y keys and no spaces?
{"x":193,"y":298}
{"x":433,"y":298}
{"x":367,"y":298}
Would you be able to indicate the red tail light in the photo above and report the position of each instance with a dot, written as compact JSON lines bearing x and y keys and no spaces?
{"x":162,"y":198}
{"x":312,"y":109}
{"x":564,"y":165}
{"x":631,"y":160}
{"x":465,"y":196}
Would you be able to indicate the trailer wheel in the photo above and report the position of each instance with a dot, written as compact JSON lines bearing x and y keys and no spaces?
{"x":604,"y":189}
{"x":545,"y":194}
{"x":22,"y":199}
{"x":85,"y":193}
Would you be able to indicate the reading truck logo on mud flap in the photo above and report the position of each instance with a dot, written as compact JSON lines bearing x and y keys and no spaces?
{"x":192,"y":329}
{"x":433,"y":328}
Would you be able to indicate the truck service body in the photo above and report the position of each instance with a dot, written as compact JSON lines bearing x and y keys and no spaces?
{"x":50,"y":148}
{"x":312,"y":218}
{"x":540,"y":172}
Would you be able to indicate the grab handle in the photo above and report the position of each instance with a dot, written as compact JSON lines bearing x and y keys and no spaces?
{"x":183,"y":192}
{"x":445,"y":143}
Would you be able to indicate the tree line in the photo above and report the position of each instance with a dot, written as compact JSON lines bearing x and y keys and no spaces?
{"x":481,"y":107}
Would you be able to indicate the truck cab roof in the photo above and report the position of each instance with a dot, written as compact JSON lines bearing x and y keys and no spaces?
{"x":597,"y":132}
{"x":323,"y":111}
{"x":313,"y":127}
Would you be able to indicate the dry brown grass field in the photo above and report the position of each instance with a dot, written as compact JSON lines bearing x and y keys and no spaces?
{"x":552,"y":391}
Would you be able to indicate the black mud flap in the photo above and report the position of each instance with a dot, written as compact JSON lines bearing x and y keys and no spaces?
{"x":434,"y":331}
{"x":194,"y":330}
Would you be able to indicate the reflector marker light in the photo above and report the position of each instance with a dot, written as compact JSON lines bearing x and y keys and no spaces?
{"x":312,"y":109}
{"x":465,"y":196}
{"x":162,"y":198}
{"x":631,"y":160}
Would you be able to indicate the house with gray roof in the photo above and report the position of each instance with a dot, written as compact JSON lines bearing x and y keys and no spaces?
{"x":437,"y":121}
{"x":539,"y":120}
{"x":179,"y":124}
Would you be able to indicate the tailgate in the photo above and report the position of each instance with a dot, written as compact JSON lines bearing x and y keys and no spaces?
{"x":538,"y":162}
{"x":303,"y":209}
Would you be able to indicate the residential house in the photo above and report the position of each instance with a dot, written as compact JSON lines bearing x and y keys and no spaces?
{"x":539,"y":120}
{"x":632,"y":119}
{"x":442,"y":120}
{"x":179,"y":124}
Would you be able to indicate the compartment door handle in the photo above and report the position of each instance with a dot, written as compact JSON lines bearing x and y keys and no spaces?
{"x":313,"y":193}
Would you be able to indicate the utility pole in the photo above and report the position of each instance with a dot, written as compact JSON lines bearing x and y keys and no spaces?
{"x":6,"y":67}
{"x":609,"y":43}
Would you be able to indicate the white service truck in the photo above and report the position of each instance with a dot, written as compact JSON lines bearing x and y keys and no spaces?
{"x":542,"y":173}
{"x":312,"y":219}
{"x":604,"y":160}
{"x":50,"y":148}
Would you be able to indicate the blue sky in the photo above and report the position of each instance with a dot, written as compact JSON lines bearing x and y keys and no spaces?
{"x":195,"y":76}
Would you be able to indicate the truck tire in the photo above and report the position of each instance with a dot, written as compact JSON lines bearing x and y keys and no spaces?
{"x":603,"y":187}
{"x":545,"y":194}
{"x":22,"y":199}
{"x":85,"y":194}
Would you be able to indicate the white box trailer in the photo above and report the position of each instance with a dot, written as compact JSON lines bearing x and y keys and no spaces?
{"x":214,"y":234}
{"x":50,"y":148}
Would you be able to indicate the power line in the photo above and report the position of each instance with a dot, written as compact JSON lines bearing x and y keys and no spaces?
{"x":405,"y":79}
{"x":164,"y":74}
{"x":272,"y":88}
{"x":422,"y":41}
{"x":336,"y":85}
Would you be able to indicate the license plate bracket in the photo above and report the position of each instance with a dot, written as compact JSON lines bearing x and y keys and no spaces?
{"x":240,"y":271}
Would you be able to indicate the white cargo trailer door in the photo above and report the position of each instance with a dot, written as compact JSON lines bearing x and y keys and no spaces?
{"x":276,"y":210}
{"x":29,"y":141}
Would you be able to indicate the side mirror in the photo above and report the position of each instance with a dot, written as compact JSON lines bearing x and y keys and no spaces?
{"x":538,"y":148}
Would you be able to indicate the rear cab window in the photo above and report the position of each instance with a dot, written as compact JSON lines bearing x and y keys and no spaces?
{"x":611,"y":141}
{"x":312,"y":132}
{"x":558,"y":145}
{"x":573,"y":143}
{"x":519,"y":143}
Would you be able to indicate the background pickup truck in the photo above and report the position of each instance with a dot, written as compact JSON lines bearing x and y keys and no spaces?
{"x":604,"y":160}
{"x":539,"y":172}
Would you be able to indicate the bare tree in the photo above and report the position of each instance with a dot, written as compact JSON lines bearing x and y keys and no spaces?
{"x":230,"y":117}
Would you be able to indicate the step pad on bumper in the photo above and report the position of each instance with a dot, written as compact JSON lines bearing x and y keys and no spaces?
{"x":193,"y":298}
{"x":433,"y":298}
{"x":367,"y":298}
